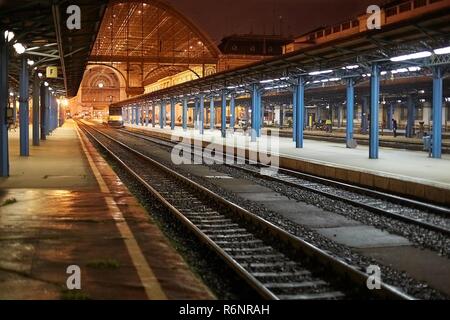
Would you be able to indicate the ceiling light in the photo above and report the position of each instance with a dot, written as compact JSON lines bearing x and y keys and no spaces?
{"x":9,"y":35}
{"x":46,"y":83}
{"x":445,"y":50}
{"x":19,"y":48}
{"x":100,"y":85}
{"x":315,"y":73}
{"x":30,"y":62}
{"x":412,"y":56}
{"x":40,"y":75}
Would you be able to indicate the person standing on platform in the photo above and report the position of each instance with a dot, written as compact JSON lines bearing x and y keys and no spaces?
{"x":394,"y":127}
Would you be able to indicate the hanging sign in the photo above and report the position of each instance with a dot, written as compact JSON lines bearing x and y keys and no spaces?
{"x":52,"y":72}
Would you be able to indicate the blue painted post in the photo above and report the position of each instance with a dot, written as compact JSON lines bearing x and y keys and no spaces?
{"x":224,"y":114}
{"x":23,"y":109}
{"x":172,"y":114}
{"x":43,"y":101}
{"x":350,"y":110}
{"x":185,"y":113}
{"x":147,"y":114}
{"x":437,"y":113}
{"x":132,"y":114}
{"x":212,"y":120}
{"x":48,"y":105}
{"x":233,"y":112}
{"x":299,"y":114}
{"x":153,"y":114}
{"x":139,"y":115}
{"x":36,"y":110}
{"x":201,"y":123}
{"x":260,"y":113}
{"x":409,"y":132}
{"x":162,"y":115}
{"x":390,"y":115}
{"x":255,"y":113}
{"x":4,"y":98}
{"x":374,"y":110}
{"x":294,"y":112}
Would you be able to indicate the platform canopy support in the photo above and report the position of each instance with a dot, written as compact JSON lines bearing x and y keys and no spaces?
{"x":185,"y":113}
{"x":4,"y":96}
{"x":294,"y":110}
{"x":48,"y":106}
{"x":172,"y":114}
{"x":223,"y":126}
{"x":162,"y":114}
{"x":437,"y":113}
{"x":212,"y":118}
{"x":196,"y":114}
{"x":374,"y":110}
{"x":409,"y":132}
{"x":24,"y":109}
{"x":36,"y":109}
{"x":256,"y":112}
{"x":153,"y":114}
{"x":43,"y":103}
{"x":350,"y":111}
{"x":201,"y":111}
{"x":390,"y":115}
{"x":300,"y":111}
{"x":147,"y":114}
{"x":232,"y":112}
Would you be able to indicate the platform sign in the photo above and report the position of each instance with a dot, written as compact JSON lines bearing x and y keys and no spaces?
{"x":52,"y":72}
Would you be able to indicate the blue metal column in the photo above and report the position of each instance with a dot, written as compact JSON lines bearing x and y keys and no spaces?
{"x":4,"y":98}
{"x":162,"y":115}
{"x":43,"y":93}
{"x":261,"y":112}
{"x":48,"y":104}
{"x":409,"y":132}
{"x":255,"y":113}
{"x":147,"y":114}
{"x":185,"y":113}
{"x":299,"y":114}
{"x":172,"y":114}
{"x":294,"y":111}
{"x":223,"y":112}
{"x":153,"y":114}
{"x":350,"y":110}
{"x":23,"y":110}
{"x":195,"y":114}
{"x":374,"y":110}
{"x":437,"y":113}
{"x":36,"y":110}
{"x":390,"y":115}
{"x":233,"y":113}
{"x":201,"y":111}
{"x":212,"y":114}
{"x":132,"y":115}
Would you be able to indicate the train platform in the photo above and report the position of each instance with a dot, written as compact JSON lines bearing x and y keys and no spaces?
{"x":64,"y":206}
{"x":403,"y":172}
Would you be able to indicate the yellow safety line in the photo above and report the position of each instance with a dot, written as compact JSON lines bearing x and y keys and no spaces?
{"x":148,"y":279}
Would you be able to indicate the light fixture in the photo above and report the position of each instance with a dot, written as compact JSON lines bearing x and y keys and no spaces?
{"x":11,"y":94}
{"x":315,"y":73}
{"x":350,"y":67}
{"x":40,"y":75}
{"x":30,"y":62}
{"x":9,"y":35}
{"x":445,"y":50}
{"x":383,"y":73}
{"x":412,"y":56}
{"x":46,"y":83}
{"x":19,"y":48}
{"x":100,"y":85}
{"x":421,"y":91}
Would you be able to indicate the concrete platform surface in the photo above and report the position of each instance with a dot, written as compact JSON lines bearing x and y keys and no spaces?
{"x":91,"y":221}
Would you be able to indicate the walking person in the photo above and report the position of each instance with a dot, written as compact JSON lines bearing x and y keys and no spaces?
{"x":394,"y":127}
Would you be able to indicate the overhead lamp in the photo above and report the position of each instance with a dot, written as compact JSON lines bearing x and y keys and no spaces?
{"x":30,"y":62}
{"x":267,"y":81}
{"x":9,"y":35}
{"x":11,"y":94}
{"x":335,"y":79}
{"x":445,"y":50}
{"x":383,"y":73}
{"x":100,"y":85}
{"x":40,"y":75}
{"x":46,"y":83}
{"x":315,"y":73}
{"x":412,"y":56}
{"x":19,"y":48}
{"x":421,"y":91}
{"x":351,"y":67}
{"x":50,"y":88}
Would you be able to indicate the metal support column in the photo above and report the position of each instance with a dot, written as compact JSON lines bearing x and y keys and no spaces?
{"x":299,"y":114}
{"x":409,"y":132}
{"x":47,"y":112}
{"x":24,"y":110}
{"x":36,"y":110}
{"x":294,"y":111}
{"x":172,"y":114}
{"x":224,"y":114}
{"x":185,"y":113}
{"x":350,"y":111}
{"x":232,"y":113}
{"x":437,"y":113}
{"x":195,"y":114}
{"x":4,"y":96}
{"x":162,"y":115}
{"x":147,"y":114}
{"x":390,"y":115}
{"x":153,"y":114}
{"x":256,"y":113}
{"x":43,"y":93}
{"x":201,"y":123}
{"x":374,"y":110}
{"x":212,"y":118}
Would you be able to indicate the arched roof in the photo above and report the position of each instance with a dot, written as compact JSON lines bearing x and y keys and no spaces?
{"x":151,"y":32}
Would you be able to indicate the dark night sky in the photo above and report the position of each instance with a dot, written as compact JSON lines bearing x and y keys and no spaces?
{"x":223,"y":17}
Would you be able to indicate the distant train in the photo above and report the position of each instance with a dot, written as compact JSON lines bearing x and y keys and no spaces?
{"x":115,"y":119}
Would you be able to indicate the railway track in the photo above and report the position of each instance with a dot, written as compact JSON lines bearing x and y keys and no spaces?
{"x":403,"y":209}
{"x":250,"y":245}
